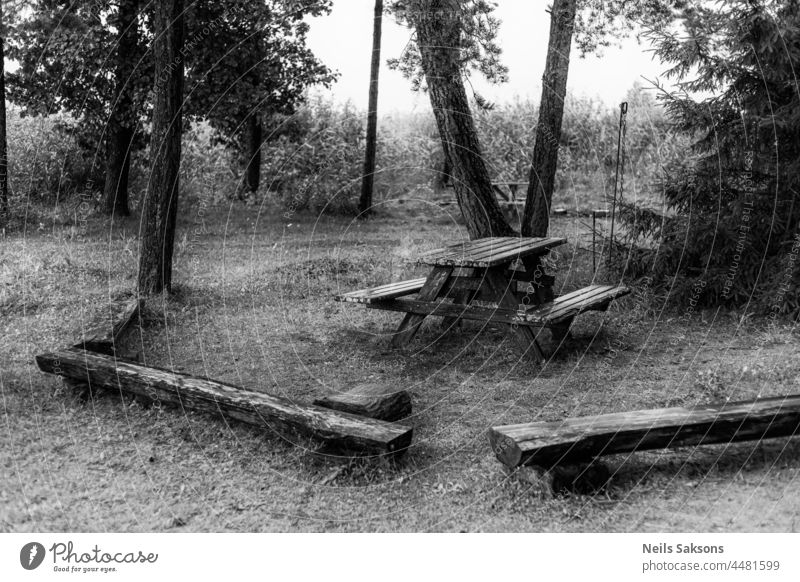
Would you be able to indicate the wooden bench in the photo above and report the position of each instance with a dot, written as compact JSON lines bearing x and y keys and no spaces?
{"x":548,"y":444}
{"x":556,"y":313}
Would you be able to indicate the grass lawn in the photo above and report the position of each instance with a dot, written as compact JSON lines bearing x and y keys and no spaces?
{"x":253,"y":306}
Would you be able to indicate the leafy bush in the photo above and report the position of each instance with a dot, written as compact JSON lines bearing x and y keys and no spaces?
{"x":730,"y":233}
{"x":48,"y":162}
{"x":317,"y":166}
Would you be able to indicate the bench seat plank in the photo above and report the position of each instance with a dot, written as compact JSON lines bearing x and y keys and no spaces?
{"x":598,"y":297}
{"x":382,"y":293}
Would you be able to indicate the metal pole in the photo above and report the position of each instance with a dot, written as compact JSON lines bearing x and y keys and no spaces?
{"x":623,"y":112}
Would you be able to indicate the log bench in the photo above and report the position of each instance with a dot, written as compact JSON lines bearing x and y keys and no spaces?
{"x":573,"y":440}
{"x":349,"y":431}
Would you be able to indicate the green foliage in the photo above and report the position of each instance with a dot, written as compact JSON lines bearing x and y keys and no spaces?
{"x":249,"y":58}
{"x":47,"y":162}
{"x":479,"y":51}
{"x":317,"y":165}
{"x":64,"y":50}
{"x":728,"y":237}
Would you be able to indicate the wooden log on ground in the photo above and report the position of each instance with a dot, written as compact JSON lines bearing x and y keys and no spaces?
{"x":263,"y":410}
{"x":103,"y":337}
{"x":548,"y":444}
{"x":373,"y":400}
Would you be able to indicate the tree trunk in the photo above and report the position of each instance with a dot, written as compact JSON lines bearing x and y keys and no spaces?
{"x":161,"y":201}
{"x":536,"y":218}
{"x":3,"y":140}
{"x":254,"y":137}
{"x":439,"y":38}
{"x":368,"y":179}
{"x":122,"y":121}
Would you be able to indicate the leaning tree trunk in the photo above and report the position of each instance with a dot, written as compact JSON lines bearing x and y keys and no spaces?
{"x":536,"y":218}
{"x":368,"y":179}
{"x":3,"y":139}
{"x":122,"y":122}
{"x":254,"y":138}
{"x":161,"y":201}
{"x":439,"y":40}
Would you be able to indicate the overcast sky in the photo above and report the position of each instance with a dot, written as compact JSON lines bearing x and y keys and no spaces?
{"x":343,"y":41}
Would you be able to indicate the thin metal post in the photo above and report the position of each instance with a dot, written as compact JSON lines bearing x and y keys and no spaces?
{"x":623,"y":112}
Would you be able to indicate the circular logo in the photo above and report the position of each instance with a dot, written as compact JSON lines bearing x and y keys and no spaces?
{"x":31,"y":555}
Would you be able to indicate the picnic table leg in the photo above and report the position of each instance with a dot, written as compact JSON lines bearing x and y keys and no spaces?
{"x":461,"y":298}
{"x":501,"y":287}
{"x":430,"y":290}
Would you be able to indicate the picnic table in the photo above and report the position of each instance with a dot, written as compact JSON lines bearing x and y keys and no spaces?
{"x":499,"y":279}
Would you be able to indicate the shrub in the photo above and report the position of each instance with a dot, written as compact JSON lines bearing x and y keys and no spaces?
{"x":730,"y":236}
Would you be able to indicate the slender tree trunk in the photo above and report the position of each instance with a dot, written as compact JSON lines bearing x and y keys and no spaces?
{"x":368,"y":179}
{"x":536,"y":218}
{"x":439,"y":40}
{"x":3,"y":139}
{"x":122,"y":121}
{"x":161,"y":201}
{"x":254,"y":138}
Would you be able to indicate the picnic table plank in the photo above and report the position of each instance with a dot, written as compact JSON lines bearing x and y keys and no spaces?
{"x":489,"y":253}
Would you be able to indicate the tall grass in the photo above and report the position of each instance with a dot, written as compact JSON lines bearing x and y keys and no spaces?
{"x":313,"y":159}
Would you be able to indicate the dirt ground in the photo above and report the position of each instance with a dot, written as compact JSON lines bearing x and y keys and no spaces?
{"x":253,"y":306}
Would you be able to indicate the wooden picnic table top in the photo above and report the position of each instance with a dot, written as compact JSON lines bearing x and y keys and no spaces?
{"x":489,"y":252}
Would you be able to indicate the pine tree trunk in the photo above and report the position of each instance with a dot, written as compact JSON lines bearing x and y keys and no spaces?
{"x":536,"y":218}
{"x":368,"y":179}
{"x":121,"y":124}
{"x":438,"y":38}
{"x":3,"y":139}
{"x":254,"y":138}
{"x":161,"y":201}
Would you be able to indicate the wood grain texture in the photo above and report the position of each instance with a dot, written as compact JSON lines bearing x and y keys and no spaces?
{"x":579,"y":439}
{"x":103,"y":337}
{"x":349,"y":431}
{"x":433,"y":287}
{"x":379,"y":401}
{"x":383,"y":292}
{"x":489,"y":252}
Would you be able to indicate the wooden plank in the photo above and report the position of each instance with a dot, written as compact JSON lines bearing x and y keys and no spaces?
{"x":390,"y":291}
{"x":103,"y":337}
{"x":430,"y":291}
{"x":559,"y":311}
{"x":579,"y":439}
{"x":444,"y":309}
{"x":538,"y":248}
{"x":380,"y":401}
{"x":490,"y":255}
{"x":256,"y":408}
{"x":456,"y":251}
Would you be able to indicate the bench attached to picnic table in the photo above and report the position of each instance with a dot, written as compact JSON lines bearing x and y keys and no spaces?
{"x":558,"y":313}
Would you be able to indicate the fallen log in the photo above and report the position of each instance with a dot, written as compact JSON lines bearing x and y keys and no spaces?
{"x":263,"y":410}
{"x":103,"y":337}
{"x":548,"y":444}
{"x":374,"y":400}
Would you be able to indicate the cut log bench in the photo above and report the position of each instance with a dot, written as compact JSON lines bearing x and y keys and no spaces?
{"x":373,"y":400}
{"x":504,"y":272}
{"x":104,"y":337}
{"x":548,"y":444}
{"x":348,"y":431}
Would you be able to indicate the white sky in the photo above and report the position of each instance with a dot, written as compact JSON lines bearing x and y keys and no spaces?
{"x":343,"y":41}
